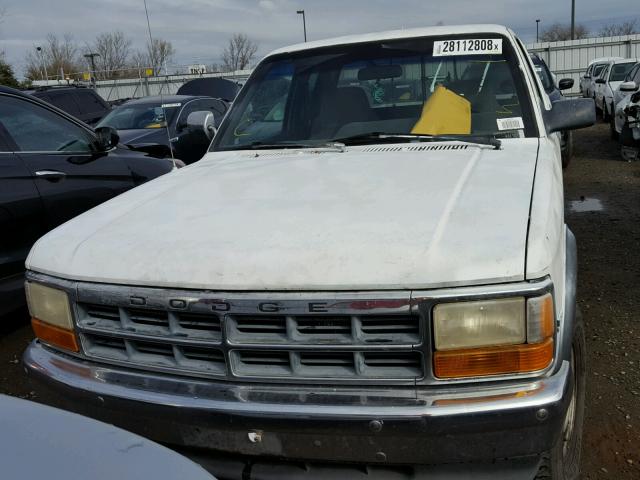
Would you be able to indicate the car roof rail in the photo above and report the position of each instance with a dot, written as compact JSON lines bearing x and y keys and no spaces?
{"x":43,"y":88}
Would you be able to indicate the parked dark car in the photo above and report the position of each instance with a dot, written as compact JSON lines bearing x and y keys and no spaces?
{"x":555,"y":94}
{"x":83,"y":103}
{"x":165,"y":120}
{"x":211,"y":87}
{"x":52,"y":168}
{"x":37,"y":442}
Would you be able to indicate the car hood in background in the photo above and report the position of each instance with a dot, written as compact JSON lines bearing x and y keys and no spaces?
{"x":378,"y":217}
{"x":41,"y":442}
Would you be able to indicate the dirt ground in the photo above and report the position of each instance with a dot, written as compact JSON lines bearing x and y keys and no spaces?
{"x":602,"y":195}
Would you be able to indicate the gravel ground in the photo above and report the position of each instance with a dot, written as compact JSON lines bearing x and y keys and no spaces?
{"x":609,"y":297}
{"x":603,"y":209}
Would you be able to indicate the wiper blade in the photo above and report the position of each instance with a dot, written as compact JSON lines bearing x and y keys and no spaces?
{"x":378,"y":137}
{"x":284,"y":145}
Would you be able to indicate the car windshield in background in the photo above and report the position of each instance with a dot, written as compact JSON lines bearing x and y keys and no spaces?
{"x":598,"y":70}
{"x":545,"y":77}
{"x":132,"y":117}
{"x":445,"y":86}
{"x":619,"y":71}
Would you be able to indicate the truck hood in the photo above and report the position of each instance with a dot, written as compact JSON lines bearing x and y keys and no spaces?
{"x":375,"y":217}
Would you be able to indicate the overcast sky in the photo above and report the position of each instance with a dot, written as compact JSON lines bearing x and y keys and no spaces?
{"x":199,"y":29}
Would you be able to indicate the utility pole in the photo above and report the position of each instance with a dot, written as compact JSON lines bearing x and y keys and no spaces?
{"x":537,"y":30}
{"x":573,"y":19}
{"x":45,"y":76}
{"x":151,"y":59}
{"x":92,"y":59}
{"x":304,"y":23}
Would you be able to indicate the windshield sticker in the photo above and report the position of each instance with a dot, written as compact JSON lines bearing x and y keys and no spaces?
{"x":514,"y":123}
{"x":484,"y":46}
{"x":171,"y":105}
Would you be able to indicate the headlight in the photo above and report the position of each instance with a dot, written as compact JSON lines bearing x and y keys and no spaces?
{"x":51,"y":316}
{"x":493,"y":337}
{"x":479,"y":324}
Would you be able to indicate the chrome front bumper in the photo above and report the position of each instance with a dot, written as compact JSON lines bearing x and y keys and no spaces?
{"x":365,"y":425}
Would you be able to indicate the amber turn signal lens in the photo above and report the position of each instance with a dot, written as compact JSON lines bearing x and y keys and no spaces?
{"x":480,"y":362}
{"x":56,"y":336}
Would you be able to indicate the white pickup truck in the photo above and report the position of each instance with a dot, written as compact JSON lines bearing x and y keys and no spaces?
{"x":369,"y":272}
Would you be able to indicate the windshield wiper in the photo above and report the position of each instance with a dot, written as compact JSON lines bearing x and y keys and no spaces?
{"x":285,"y":145}
{"x":379,"y":137}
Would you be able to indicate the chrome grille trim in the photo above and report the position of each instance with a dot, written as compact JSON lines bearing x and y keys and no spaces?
{"x":287,"y":337}
{"x":414,"y":302}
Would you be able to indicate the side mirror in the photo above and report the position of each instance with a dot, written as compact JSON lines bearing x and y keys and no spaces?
{"x":629,"y":87}
{"x":600,"y":81}
{"x":108,"y":138}
{"x":570,"y":114}
{"x":565,"y":83}
{"x":203,"y":121}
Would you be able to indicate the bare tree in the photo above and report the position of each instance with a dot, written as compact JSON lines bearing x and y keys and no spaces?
{"x":59,"y":56}
{"x":238,"y":53}
{"x":559,"y":32}
{"x":159,"y":53}
{"x":114,"y":49}
{"x":626,"y":28}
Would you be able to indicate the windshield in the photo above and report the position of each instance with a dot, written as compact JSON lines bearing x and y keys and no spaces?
{"x":545,"y":76}
{"x":597,"y":70}
{"x":619,"y":71}
{"x":425,"y":86}
{"x":131,"y":117}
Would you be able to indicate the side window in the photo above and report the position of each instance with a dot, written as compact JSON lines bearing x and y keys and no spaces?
{"x":212,"y":105}
{"x":264,"y":114}
{"x":189,"y":108}
{"x":636,"y":78}
{"x":36,"y":129}
{"x":88,"y":102}
{"x":4,"y":138}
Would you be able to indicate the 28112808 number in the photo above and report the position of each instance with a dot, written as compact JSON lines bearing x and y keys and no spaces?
{"x":473,"y":46}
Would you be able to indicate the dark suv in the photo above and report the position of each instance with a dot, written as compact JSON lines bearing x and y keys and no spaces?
{"x":52,"y":168}
{"x":555,"y":94}
{"x":81,"y":102}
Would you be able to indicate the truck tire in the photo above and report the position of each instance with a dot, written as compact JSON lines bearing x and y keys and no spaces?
{"x":562,"y":462}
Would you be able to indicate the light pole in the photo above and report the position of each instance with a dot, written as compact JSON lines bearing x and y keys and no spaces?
{"x":573,"y":19}
{"x":91,"y":57}
{"x":44,"y":66}
{"x":304,"y":23}
{"x":537,"y":30}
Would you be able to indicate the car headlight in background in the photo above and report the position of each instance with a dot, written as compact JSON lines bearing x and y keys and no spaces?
{"x":493,"y":337}
{"x":51,"y":316}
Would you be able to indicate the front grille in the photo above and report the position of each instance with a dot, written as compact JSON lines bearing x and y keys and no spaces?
{"x":314,"y":329}
{"x":372,"y":341}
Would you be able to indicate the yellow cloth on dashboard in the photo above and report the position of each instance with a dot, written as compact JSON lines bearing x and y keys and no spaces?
{"x":444,"y":113}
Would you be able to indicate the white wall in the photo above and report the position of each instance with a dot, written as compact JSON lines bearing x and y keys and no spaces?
{"x":571,"y":58}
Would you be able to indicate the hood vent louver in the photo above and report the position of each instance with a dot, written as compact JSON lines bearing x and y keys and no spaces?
{"x":372,"y":149}
{"x":414,"y":148}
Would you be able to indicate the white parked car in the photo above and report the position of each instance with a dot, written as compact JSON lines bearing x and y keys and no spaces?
{"x":621,"y":93}
{"x":587,"y":81}
{"x":370,"y":268}
{"x":608,"y":82}
{"x":626,"y":124}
